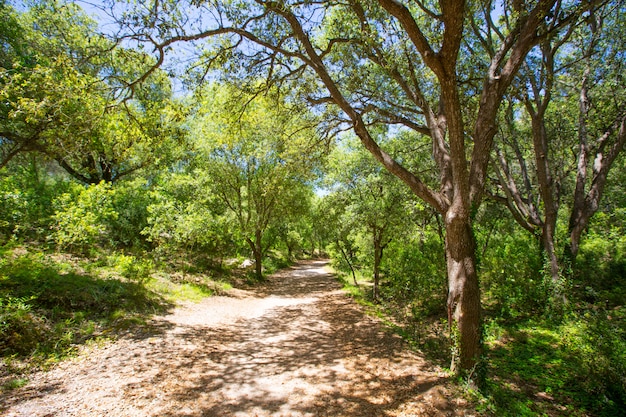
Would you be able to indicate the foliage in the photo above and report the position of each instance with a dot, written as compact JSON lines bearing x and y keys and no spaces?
{"x":130,"y":200}
{"x":416,"y":275}
{"x":251,"y":155}
{"x":47,"y":307}
{"x":20,"y":329}
{"x":44,"y":95}
{"x":184,"y":216}
{"x":370,"y":210}
{"x":537,"y":366}
{"x":26,"y":196}
{"x":130,"y":267}
{"x":600,"y":273}
{"x":83,"y":217}
{"x":59,"y":90}
{"x":511,"y":262}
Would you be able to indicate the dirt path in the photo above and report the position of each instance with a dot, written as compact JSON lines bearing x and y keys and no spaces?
{"x":296,"y":347}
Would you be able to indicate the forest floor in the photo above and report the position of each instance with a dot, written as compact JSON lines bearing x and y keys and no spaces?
{"x":295,"y":346}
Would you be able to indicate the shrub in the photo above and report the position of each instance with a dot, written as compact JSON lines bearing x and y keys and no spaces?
{"x":21,"y":330}
{"x":416,"y":274}
{"x":130,"y":267}
{"x":83,"y":217}
{"x":26,"y":196}
{"x":600,"y":272}
{"x":511,"y":275}
{"x":597,"y":340}
{"x":130,"y":201}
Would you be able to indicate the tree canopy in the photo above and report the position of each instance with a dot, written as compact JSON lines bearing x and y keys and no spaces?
{"x":465,"y":156}
{"x":60,"y":90}
{"x":382,"y":64}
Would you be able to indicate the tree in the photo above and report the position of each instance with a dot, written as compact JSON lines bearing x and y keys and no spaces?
{"x":43,"y":94}
{"x":60,"y":87}
{"x":386,"y":63}
{"x":558,"y":81}
{"x":184,"y":217}
{"x":334,"y":216}
{"x":370,"y":200}
{"x":601,"y":125}
{"x":253,"y":158}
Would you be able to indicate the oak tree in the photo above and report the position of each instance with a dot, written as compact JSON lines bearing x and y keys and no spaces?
{"x":390,"y":63}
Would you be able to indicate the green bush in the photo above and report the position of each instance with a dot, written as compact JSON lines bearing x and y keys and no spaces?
{"x":598,"y":342}
{"x":26,"y":196}
{"x":131,"y":267}
{"x":83,"y":217}
{"x":511,"y":275}
{"x":21,"y":330}
{"x":600,"y":271}
{"x":416,"y":274}
{"x":182,"y":219}
{"x":578,"y":365}
{"x":130,"y":201}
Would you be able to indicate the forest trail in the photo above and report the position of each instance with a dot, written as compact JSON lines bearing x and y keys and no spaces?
{"x":297,"y":346}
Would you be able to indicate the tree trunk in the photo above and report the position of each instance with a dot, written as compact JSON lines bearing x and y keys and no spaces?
{"x":377,"y":259}
{"x":547,"y":243}
{"x":345,"y":256}
{"x":257,"y":252}
{"x":464,"y":312}
{"x":258,"y":266}
{"x":547,"y":188}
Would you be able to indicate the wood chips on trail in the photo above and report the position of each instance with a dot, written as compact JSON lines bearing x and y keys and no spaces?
{"x":297,"y":346}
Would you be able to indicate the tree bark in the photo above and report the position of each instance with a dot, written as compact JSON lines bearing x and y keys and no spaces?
{"x":463,"y":292}
{"x":377,"y":258}
{"x":257,"y":253}
{"x":546,"y":188}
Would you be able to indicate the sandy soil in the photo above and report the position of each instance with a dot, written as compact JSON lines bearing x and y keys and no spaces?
{"x":297,"y":346}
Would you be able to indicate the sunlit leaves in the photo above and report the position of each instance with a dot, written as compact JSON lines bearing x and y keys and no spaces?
{"x":83,"y":216}
{"x":257,"y":157}
{"x":60,"y":91}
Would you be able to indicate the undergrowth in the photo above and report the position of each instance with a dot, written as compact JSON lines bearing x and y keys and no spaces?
{"x":573,"y":368}
{"x":537,"y":366}
{"x":51,"y":303}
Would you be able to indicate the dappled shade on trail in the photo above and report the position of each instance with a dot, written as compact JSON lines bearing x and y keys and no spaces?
{"x":296,"y":346}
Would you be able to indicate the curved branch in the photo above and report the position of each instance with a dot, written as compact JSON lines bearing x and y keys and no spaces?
{"x":416,"y":185}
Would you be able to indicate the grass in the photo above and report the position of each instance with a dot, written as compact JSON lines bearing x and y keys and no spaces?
{"x":541,"y":368}
{"x":529,"y":373}
{"x":47,"y":310}
{"x":51,"y":304}
{"x":535,"y":366}
{"x":176,"y":290}
{"x":14,"y":383}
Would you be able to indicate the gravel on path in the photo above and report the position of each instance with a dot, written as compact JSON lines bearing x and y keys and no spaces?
{"x":297,"y":346}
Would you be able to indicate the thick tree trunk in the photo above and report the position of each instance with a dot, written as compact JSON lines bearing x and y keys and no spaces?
{"x":464,"y":311}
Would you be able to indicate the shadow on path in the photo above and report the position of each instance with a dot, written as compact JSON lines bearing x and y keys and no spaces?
{"x":312,"y":352}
